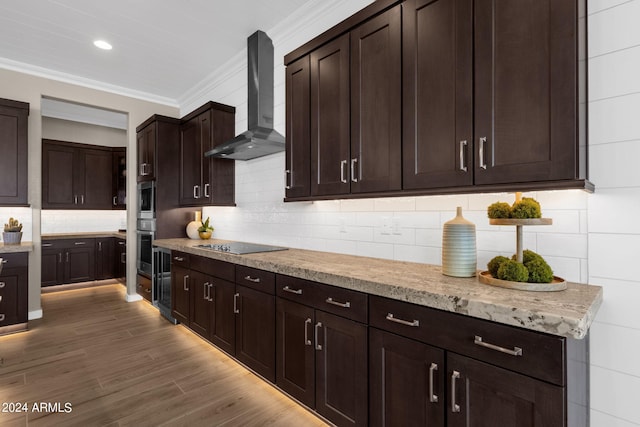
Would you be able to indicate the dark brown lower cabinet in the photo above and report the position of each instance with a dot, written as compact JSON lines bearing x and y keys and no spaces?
{"x":322,"y":362}
{"x":120,"y":260}
{"x":68,"y":261}
{"x":407,"y":386}
{"x":14,"y":289}
{"x":180,"y":297}
{"x":200,"y":310}
{"x":52,"y":266}
{"x":105,"y":254}
{"x":223,"y":330}
{"x":143,"y":286}
{"x":483,"y":394}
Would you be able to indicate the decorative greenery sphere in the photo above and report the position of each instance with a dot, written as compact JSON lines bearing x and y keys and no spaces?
{"x":526,"y":208}
{"x":528,"y":256}
{"x":494,"y":264}
{"x":499,"y":210}
{"x":513,"y":271}
{"x":539,"y":271}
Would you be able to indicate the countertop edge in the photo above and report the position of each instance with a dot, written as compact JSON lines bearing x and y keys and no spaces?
{"x":536,"y":319}
{"x":12,"y":249}
{"x":85,"y":235}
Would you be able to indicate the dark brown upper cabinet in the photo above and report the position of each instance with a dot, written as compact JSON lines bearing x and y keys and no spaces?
{"x":206,"y":181}
{"x":437,"y":59}
{"x":146,"y":148}
{"x":356,"y":110}
{"x":298,"y":141}
{"x":442,"y":96}
{"x":76,"y":176}
{"x":13,"y":146}
{"x":119,"y":178}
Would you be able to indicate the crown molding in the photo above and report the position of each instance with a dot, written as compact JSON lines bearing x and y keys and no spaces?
{"x":47,"y":73}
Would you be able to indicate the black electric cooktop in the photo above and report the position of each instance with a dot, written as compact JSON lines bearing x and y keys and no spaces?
{"x":241,"y":248}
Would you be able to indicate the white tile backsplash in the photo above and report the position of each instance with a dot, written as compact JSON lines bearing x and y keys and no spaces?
{"x":614,"y":393}
{"x":608,"y":354}
{"x":64,"y":221}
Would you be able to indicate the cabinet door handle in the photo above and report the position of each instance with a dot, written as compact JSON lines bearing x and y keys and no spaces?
{"x":4,"y":261}
{"x":307,"y":323}
{"x":206,"y":190}
{"x":433,"y":398}
{"x":79,"y":243}
{"x":252,"y":279}
{"x":463,"y":149}
{"x":483,"y":142}
{"x":82,"y":199}
{"x":115,"y":200}
{"x":75,"y":199}
{"x":318,"y":326}
{"x":2,"y":285}
{"x":143,"y":167}
{"x":67,"y":256}
{"x":185,"y":281}
{"x":178,"y":258}
{"x":205,"y":287}
{"x":99,"y":246}
{"x":454,"y":406}
{"x":338,"y":304}
{"x":1,"y":317}
{"x":292,"y":291}
{"x":354,"y":178}
{"x":343,"y":164}
{"x":287,"y":185}
{"x":235,"y":303}
{"x":196,"y":191}
{"x":210,"y":287}
{"x":517,"y":351}
{"x":123,"y":257}
{"x":60,"y":257}
{"x":414,"y":323}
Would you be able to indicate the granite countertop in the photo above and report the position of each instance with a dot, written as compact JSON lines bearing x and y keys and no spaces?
{"x":22,"y":247}
{"x":85,"y":235}
{"x":567,"y":313}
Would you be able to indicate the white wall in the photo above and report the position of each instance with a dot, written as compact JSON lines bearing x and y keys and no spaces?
{"x":83,"y":133}
{"x":595,"y":238}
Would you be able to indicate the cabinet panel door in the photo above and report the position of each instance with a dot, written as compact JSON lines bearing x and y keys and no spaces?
{"x":191,"y":158}
{"x":438,"y":93}
{"x":9,"y":298}
{"x":330,"y":124}
{"x":13,"y":162}
{"x":180,"y":282}
{"x":298,"y":143}
{"x":119,"y":179}
{"x":97,"y":179}
{"x":485,"y":393}
{"x":255,"y":331}
{"x":407,"y":384}
{"x":219,"y":174}
{"x":223,"y":332}
{"x":80,"y":264}
{"x":58,"y":171}
{"x":295,"y":370}
{"x":376,"y":108}
{"x":200,"y":310}
{"x":105,"y":253}
{"x":146,"y":145}
{"x":52,"y":267}
{"x":526,"y":90}
{"x":341,"y":369}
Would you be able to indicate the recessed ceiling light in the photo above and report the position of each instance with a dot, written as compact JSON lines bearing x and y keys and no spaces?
{"x":102,"y":45}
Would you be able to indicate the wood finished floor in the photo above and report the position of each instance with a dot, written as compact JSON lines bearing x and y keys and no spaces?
{"x":121,"y":364}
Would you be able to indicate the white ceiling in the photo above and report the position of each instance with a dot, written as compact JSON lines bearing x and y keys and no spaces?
{"x":161,"y":48}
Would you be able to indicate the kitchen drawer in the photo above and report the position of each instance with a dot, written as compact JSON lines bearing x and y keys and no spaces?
{"x":540,"y":356}
{"x":8,"y":300}
{"x":143,"y":287}
{"x":332,"y":299}
{"x":254,"y":278}
{"x":213,"y":267}
{"x":67,"y":243}
{"x":14,"y":260}
{"x":181,"y":259}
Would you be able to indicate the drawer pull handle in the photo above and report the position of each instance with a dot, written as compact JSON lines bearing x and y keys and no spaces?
{"x":178,"y":258}
{"x":4,"y":261}
{"x":1,"y":317}
{"x":517,"y":351}
{"x":46,"y":245}
{"x":454,"y":406}
{"x":339,"y":304}
{"x":433,"y":398}
{"x":318,"y":326}
{"x":147,"y":290}
{"x":185,"y":281}
{"x":252,"y":279}
{"x":307,"y":322}
{"x":205,"y":287}
{"x":235,"y":303}
{"x":292,"y":291}
{"x":80,"y":243}
{"x":415,"y":323}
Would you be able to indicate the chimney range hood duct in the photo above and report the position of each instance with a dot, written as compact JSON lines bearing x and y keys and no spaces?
{"x":261,"y":139}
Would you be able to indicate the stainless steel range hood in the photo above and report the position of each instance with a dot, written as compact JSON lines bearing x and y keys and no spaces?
{"x":261,"y":139}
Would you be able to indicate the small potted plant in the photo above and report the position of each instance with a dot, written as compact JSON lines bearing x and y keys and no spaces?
{"x":12,"y":232}
{"x":205,"y":230}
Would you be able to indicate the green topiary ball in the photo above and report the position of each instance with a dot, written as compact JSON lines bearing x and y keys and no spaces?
{"x":513,"y":271}
{"x":499,"y":210}
{"x":528,"y":256}
{"x":495,"y":263}
{"x":539,"y":271}
{"x":526,"y":208}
